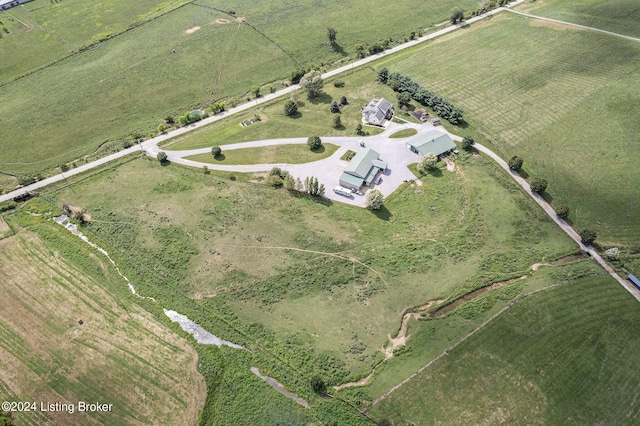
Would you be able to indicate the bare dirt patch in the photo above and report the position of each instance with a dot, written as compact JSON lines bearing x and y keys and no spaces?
{"x":192,"y":30}
{"x":240,"y":19}
{"x":222,"y":21}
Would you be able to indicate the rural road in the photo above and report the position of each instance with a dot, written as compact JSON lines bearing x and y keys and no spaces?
{"x":244,"y":107}
{"x":560,"y":222}
{"x":151,"y":144}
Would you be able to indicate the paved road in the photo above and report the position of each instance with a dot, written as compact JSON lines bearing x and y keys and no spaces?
{"x":584,"y":27}
{"x":244,"y":107}
{"x":560,"y":222}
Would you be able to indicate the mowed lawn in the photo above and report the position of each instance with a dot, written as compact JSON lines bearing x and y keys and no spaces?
{"x":275,"y":154}
{"x":565,"y":100}
{"x":130,"y":83}
{"x":566,"y":355}
{"x":314,"y":116}
{"x":69,"y":336}
{"x":618,"y":16}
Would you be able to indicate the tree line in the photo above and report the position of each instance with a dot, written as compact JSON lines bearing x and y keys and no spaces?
{"x":407,"y":88}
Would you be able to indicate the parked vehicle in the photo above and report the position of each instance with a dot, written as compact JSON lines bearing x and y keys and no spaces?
{"x":379,"y":180}
{"x":342,"y":191}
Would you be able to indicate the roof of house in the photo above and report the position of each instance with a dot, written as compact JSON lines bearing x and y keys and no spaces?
{"x":361,"y":164}
{"x":435,"y":141}
{"x":3,"y":2}
{"x":377,"y":110}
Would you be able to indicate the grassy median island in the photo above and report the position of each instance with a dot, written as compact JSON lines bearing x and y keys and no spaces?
{"x":273,"y":154}
{"x":404,"y":133}
{"x":564,"y":100}
{"x":566,"y":355}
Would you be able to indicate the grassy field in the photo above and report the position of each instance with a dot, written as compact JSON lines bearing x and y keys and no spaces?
{"x":201,"y":236}
{"x":313,"y":117}
{"x":41,"y":31}
{"x":618,"y":16}
{"x":120,"y":354}
{"x":129,"y":83}
{"x":566,"y":355}
{"x":564,"y":100}
{"x":275,"y":154}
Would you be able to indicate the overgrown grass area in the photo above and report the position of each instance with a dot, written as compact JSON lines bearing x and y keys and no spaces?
{"x":274,"y":154}
{"x":313,"y":117}
{"x":618,"y":16}
{"x":565,"y":100}
{"x":129,"y":83}
{"x":259,"y":260}
{"x":565,"y":355}
{"x":69,"y":332}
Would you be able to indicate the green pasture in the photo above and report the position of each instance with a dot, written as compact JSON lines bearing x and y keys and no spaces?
{"x":565,"y":100}
{"x":314,"y":116}
{"x":566,"y":355}
{"x":45,"y":31}
{"x":130,"y":83}
{"x":275,"y":154}
{"x":262,"y":258}
{"x":618,"y":16}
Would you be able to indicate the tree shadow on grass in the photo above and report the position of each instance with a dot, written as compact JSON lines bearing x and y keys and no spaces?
{"x":322,"y":98}
{"x":547,"y":197}
{"x":523,"y":173}
{"x":319,"y":150}
{"x":220,"y":157}
{"x":338,"y":49}
{"x":165,"y":163}
{"x":295,"y":115}
{"x":383,"y":213}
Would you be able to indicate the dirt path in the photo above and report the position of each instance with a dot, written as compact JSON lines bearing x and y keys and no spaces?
{"x":278,"y":387}
{"x":337,"y":255}
{"x":583,"y":27}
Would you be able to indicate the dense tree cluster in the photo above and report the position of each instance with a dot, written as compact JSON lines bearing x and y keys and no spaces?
{"x":312,"y":83}
{"x":309,"y":186}
{"x":403,"y":84}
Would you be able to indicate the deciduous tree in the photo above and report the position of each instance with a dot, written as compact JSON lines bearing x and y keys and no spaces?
{"x":515,"y":163}
{"x":312,"y":83}
{"x":290,"y":108}
{"x":162,"y":156}
{"x":314,"y":142}
{"x":216,"y":151}
{"x":467,"y":143}
{"x":588,"y":236}
{"x":562,"y":212}
{"x":375,"y":199}
{"x":538,"y":185}
{"x":331,"y":35}
{"x":457,"y":15}
{"x":428,"y":162}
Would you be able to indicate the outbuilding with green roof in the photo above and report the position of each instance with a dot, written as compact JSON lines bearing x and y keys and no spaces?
{"x":435,"y":141}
